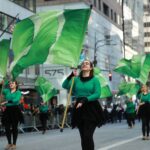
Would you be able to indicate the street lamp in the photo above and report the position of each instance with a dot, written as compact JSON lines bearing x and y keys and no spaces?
{"x":107,"y":42}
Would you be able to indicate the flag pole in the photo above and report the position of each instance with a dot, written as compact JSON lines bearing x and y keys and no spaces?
{"x":68,"y":101}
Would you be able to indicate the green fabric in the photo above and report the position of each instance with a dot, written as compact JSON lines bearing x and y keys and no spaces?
{"x":145,"y":69}
{"x":130,"y":107}
{"x":128,"y":88}
{"x":45,"y":88}
{"x":90,"y":89}
{"x":126,"y":67}
{"x":97,"y":71}
{"x":52,"y":37}
{"x":144,"y":97}
{"x":14,"y":97}
{"x":138,"y":67}
{"x":105,"y":90}
{"x":4,"y":50}
{"x":43,"y":108}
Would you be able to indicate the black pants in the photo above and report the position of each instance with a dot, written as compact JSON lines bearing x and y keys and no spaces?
{"x":86,"y":130}
{"x":130,"y":119}
{"x":145,"y":126}
{"x":11,"y":120}
{"x":11,"y":128}
{"x":43,"y":118}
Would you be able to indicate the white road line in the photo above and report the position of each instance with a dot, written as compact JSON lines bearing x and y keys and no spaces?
{"x":119,"y":143}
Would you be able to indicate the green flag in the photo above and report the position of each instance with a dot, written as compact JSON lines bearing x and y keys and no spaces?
{"x":45,"y":89}
{"x":138,"y":67}
{"x":53,"y":37}
{"x":4,"y":51}
{"x":128,"y":88}
{"x":130,"y":67}
{"x":145,"y":69}
{"x":105,"y":90}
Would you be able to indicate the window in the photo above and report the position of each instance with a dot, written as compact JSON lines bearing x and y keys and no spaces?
{"x":37,"y":70}
{"x":115,"y":17}
{"x":147,"y":34}
{"x":99,"y":4}
{"x":28,"y":4}
{"x":112,"y":14}
{"x":147,"y":44}
{"x":95,"y":3}
{"x":147,"y":24}
{"x":7,"y":22}
{"x":105,"y":9}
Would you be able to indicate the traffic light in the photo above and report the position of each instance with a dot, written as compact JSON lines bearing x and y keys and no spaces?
{"x":110,"y":76}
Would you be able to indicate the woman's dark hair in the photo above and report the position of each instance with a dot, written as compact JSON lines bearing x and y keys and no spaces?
{"x":91,"y":72}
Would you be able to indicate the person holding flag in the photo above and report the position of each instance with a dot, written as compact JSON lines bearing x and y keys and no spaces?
{"x":144,"y":111}
{"x":87,"y":111}
{"x":12,"y":114}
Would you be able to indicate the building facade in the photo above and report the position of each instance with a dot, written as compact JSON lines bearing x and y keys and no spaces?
{"x":133,"y":27}
{"x":146,"y":21}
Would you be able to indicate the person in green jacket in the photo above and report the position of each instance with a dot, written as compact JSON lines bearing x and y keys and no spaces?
{"x":12,"y":115}
{"x":87,"y":113}
{"x":130,"y":113}
{"x":144,"y":111}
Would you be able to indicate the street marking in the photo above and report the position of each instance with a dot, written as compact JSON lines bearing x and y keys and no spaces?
{"x":119,"y":143}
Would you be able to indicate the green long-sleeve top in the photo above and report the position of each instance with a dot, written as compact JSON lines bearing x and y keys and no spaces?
{"x":130,"y":107}
{"x":14,"y":97}
{"x":43,"y":109}
{"x":89,"y":89}
{"x":144,"y":97}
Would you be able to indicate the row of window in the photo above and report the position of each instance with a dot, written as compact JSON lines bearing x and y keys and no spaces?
{"x":28,"y":4}
{"x":147,"y":44}
{"x":147,"y":24}
{"x":147,"y":34}
{"x":108,"y":11}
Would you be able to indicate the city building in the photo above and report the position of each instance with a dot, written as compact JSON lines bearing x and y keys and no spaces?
{"x":133,"y":27}
{"x":146,"y":21}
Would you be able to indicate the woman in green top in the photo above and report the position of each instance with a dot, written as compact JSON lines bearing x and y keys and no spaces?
{"x":144,"y":111}
{"x":87,"y":112}
{"x":12,"y":115}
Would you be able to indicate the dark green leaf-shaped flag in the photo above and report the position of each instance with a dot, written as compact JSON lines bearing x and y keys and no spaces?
{"x":45,"y":89}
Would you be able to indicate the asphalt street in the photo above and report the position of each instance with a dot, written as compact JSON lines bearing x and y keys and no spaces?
{"x":115,"y":136}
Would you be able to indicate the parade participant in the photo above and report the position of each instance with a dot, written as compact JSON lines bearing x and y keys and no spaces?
{"x":144,"y":111}
{"x":43,"y":109}
{"x":12,"y":114}
{"x":130,"y":113}
{"x":87,"y":112}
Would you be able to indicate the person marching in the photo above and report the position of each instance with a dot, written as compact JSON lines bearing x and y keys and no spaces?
{"x":130,"y":113}
{"x":12,"y":114}
{"x":144,"y":111}
{"x":43,"y":109}
{"x":87,"y":112}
